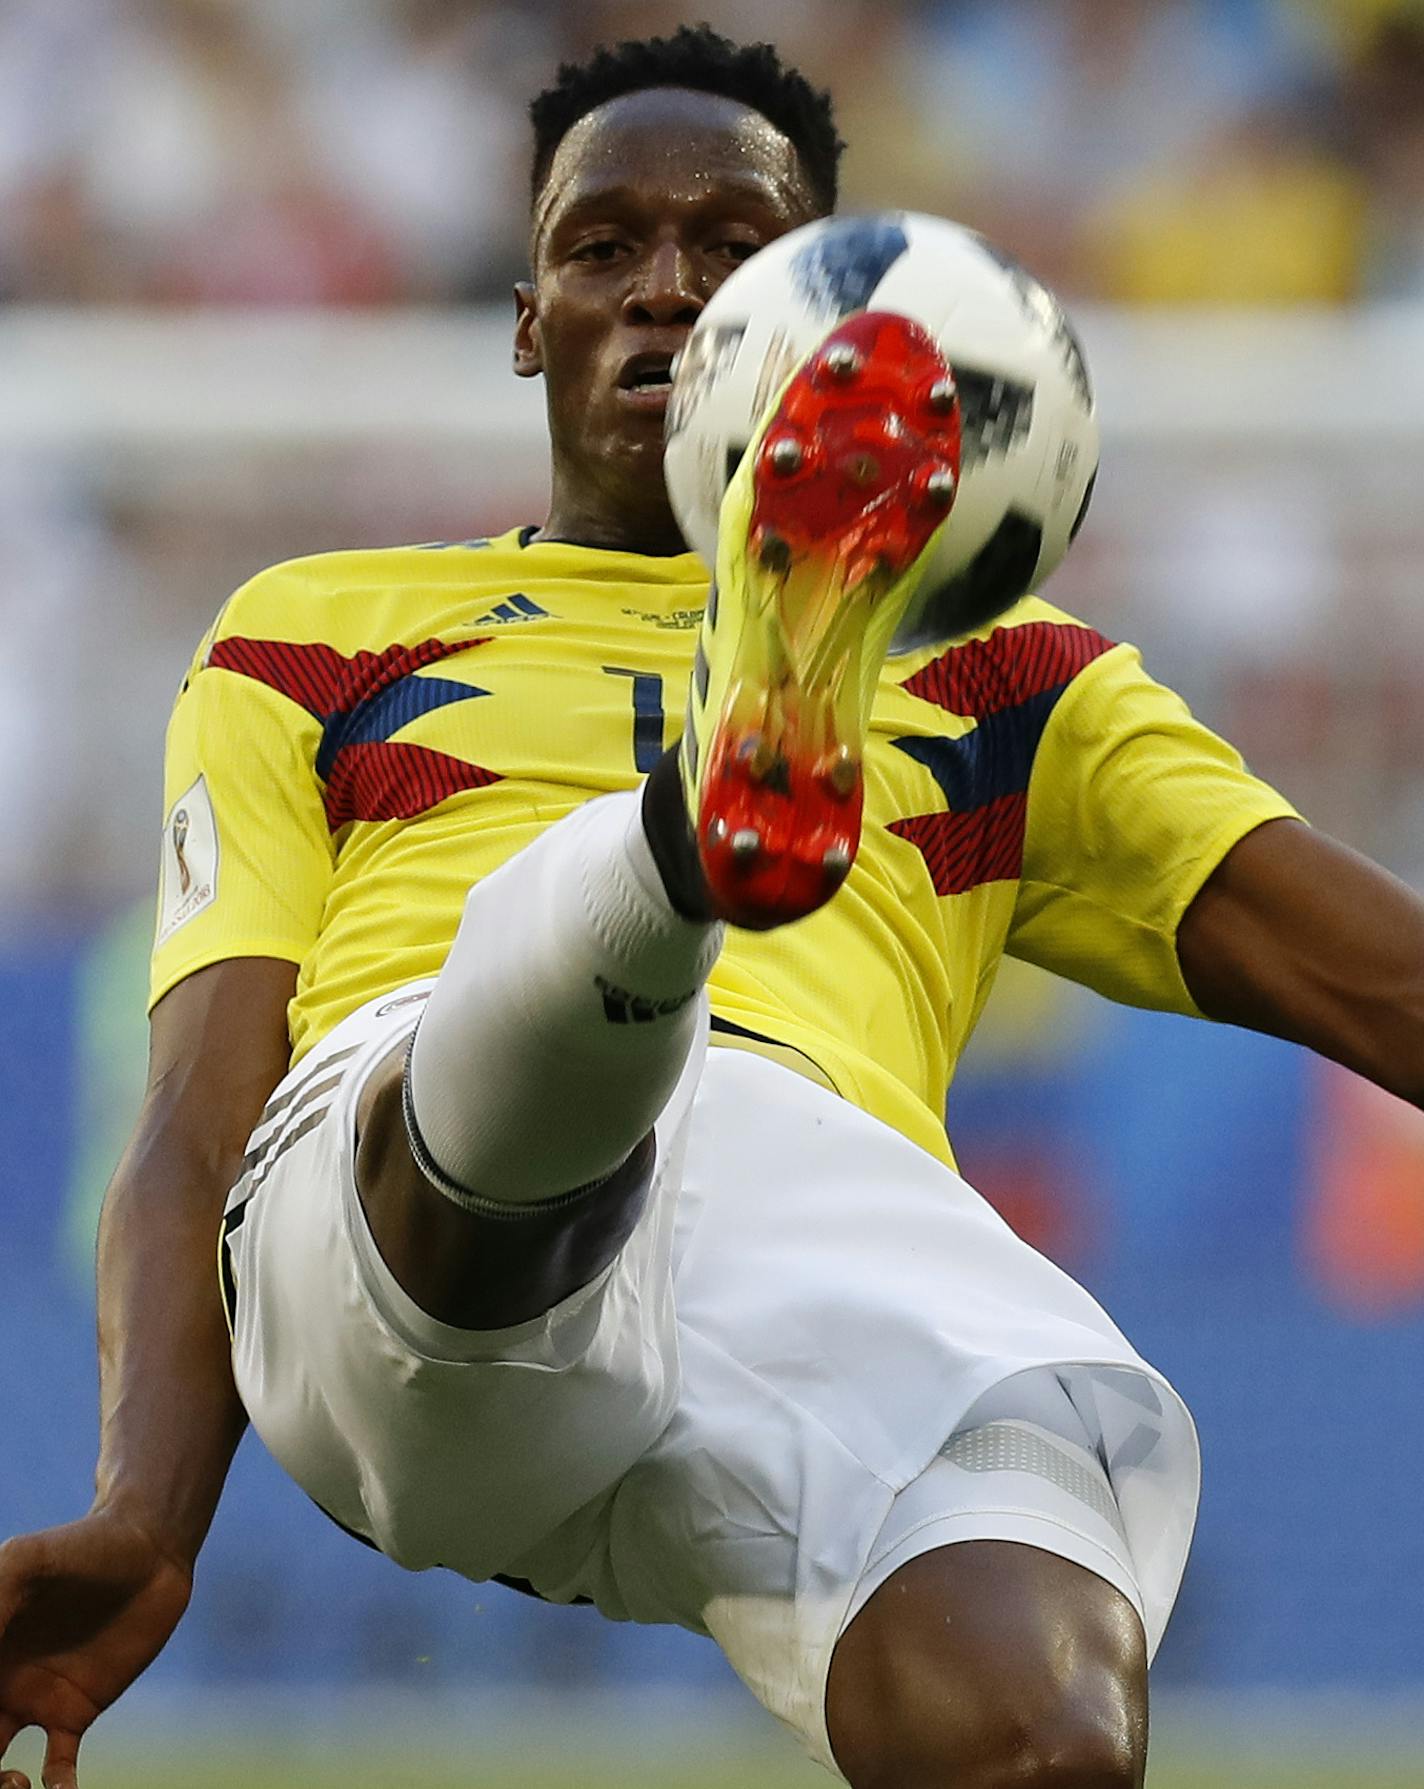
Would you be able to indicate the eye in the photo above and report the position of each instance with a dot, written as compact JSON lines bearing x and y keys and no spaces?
{"x":601,"y":249}
{"x":736,"y":248}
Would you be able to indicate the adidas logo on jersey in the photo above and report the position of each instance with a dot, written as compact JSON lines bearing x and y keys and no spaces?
{"x":514,"y":608}
{"x":621,"y":1007}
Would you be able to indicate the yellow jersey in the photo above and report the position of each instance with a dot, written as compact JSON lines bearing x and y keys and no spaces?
{"x":364,"y":735}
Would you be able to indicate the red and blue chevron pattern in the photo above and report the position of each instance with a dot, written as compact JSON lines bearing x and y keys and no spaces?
{"x":1009,"y":684}
{"x":361,"y":701}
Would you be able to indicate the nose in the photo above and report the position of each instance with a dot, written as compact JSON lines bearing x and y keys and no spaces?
{"x":668,"y":289}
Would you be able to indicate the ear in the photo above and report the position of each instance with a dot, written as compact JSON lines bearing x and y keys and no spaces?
{"x":528,"y":351}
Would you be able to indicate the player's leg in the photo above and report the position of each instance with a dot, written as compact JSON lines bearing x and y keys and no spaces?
{"x":505,"y":1210}
{"x":1019,"y":1658}
{"x":506,"y":1154}
{"x":911,"y":1460}
{"x":451,"y":1443}
{"x":500,"y":1167}
{"x":991,"y":1664}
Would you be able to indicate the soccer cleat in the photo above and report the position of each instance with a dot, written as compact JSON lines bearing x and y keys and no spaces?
{"x":822,"y":531}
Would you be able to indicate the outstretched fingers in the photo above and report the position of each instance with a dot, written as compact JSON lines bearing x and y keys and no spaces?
{"x":61,"y":1760}
{"x":61,"y":1765}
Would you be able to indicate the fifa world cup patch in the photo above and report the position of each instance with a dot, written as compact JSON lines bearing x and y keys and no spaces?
{"x":189,"y":874}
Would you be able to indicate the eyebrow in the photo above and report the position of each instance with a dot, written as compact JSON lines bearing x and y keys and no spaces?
{"x":620,"y":196}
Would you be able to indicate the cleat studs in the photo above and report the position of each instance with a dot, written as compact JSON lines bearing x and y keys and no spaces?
{"x":716,"y":831}
{"x":746,"y":843}
{"x":757,"y":756}
{"x":842,"y":362}
{"x":835,"y":861}
{"x":842,"y":773}
{"x":785,"y":455}
{"x":940,"y":486}
{"x":774,"y":551}
{"x":941,"y":396}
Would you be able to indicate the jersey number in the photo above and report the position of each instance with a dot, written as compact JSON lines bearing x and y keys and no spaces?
{"x":648,"y":716}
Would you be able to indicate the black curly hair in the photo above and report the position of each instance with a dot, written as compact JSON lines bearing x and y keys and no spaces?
{"x":695,"y":56}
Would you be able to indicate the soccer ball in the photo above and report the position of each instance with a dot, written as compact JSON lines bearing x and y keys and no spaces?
{"x":1029,"y":430}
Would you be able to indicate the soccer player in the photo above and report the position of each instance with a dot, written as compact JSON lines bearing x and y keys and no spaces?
{"x":522,"y":1277}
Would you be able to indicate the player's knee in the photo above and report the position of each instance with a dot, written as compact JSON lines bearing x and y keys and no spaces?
{"x":1081,"y":1744}
{"x":920,"y":1699}
{"x":941,"y":1743}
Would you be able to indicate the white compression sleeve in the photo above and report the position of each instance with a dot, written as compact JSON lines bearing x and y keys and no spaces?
{"x":563,"y":1016}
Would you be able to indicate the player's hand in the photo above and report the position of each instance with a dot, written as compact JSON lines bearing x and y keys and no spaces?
{"x":83,"y":1610}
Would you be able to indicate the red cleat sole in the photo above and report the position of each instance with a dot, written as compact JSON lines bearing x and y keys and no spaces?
{"x":853,"y":475}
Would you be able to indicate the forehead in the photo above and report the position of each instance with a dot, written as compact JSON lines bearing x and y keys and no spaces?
{"x":674,"y":143}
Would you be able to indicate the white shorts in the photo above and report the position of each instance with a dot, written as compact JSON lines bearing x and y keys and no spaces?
{"x":819,"y":1354}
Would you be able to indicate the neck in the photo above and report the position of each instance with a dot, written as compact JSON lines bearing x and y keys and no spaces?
{"x":645,"y":525}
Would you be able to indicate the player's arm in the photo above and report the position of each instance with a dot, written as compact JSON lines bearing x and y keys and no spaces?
{"x":246,"y":867}
{"x":247,"y":863}
{"x":1297,"y":935}
{"x":1159,"y":871}
{"x":169,"y":1413}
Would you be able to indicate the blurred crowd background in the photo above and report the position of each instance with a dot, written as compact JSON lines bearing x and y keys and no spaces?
{"x":256,"y":152}
{"x":216,"y":159}
{"x":204,"y":204}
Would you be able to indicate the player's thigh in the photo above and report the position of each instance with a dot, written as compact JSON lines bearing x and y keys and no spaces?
{"x":996,"y":1592}
{"x":441,"y":1445}
{"x":986,"y":1663}
{"x":997,"y":1632}
{"x":875,"y":1367}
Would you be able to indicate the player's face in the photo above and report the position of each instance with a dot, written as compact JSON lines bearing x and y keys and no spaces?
{"x":652,"y":200}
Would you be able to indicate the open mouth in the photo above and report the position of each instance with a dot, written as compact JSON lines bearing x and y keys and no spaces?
{"x":647,"y":375}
